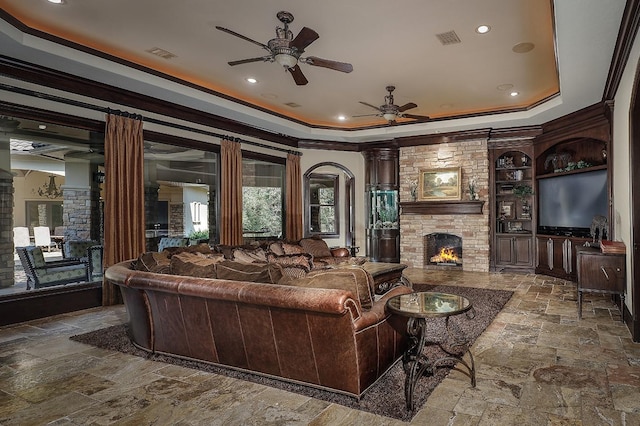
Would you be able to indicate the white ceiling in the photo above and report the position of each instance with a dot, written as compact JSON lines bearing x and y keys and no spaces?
{"x":387,"y":43}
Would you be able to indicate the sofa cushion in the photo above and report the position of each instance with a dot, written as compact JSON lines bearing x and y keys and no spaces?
{"x":289,"y":248}
{"x":252,"y":272}
{"x":152,"y":261}
{"x":354,"y":279}
{"x":198,"y":248}
{"x":315,"y":247}
{"x":194,"y":265}
{"x":249,"y":255}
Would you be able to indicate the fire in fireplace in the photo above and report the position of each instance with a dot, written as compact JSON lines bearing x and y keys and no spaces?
{"x":443,"y":249}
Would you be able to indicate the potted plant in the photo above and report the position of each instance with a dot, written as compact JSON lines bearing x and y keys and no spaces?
{"x":522,"y":191}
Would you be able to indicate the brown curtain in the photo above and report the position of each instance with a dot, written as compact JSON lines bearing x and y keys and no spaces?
{"x":124,"y":236}
{"x":293,"y":185}
{"x":230,"y":193}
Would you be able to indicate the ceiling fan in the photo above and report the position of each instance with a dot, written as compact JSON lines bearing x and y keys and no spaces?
{"x":287,"y":50}
{"x":391,"y":111}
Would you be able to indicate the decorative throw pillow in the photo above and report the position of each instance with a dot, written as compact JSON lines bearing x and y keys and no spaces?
{"x":152,"y":261}
{"x":304,"y":260}
{"x":252,"y":272}
{"x":194,"y":265}
{"x":315,"y":247}
{"x":352,"y":279}
{"x":292,"y":248}
{"x":37,"y":257}
{"x":276,"y":248}
{"x":249,"y":255}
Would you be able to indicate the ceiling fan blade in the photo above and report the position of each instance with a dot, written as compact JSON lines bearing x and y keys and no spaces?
{"x":233,"y":33}
{"x":416,"y":117}
{"x":405,"y":107}
{"x":305,"y":37}
{"x":366,"y":115}
{"x":298,"y":76}
{"x":246,"y":61}
{"x":369,"y":105}
{"x":326,"y":63}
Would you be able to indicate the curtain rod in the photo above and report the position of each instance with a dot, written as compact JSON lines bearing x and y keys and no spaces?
{"x":107,"y":110}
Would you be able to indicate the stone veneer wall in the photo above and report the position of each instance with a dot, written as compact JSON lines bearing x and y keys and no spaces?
{"x":76,"y":212}
{"x":6,"y":229}
{"x":473,"y":158}
{"x":176,"y":220}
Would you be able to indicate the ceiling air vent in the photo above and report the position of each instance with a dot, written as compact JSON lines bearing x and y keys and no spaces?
{"x":292,"y":104}
{"x":161,"y":52}
{"x":450,"y":37}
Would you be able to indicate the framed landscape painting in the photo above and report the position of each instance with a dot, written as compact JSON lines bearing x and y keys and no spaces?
{"x":439,"y":184}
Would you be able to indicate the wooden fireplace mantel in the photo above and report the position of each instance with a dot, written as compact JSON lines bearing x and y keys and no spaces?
{"x":441,"y":207}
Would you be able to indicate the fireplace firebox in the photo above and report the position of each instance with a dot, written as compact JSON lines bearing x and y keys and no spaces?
{"x":441,"y":249}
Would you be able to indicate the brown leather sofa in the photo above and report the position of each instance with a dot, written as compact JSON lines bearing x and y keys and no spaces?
{"x":321,"y":337}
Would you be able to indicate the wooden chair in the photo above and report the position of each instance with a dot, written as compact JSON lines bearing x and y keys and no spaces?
{"x":21,"y":236}
{"x":42,"y":235}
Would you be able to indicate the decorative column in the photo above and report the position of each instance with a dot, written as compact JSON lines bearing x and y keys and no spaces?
{"x":81,"y":194}
{"x":7,"y":262}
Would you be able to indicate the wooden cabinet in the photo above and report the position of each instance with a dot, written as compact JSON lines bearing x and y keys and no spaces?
{"x":556,"y":255}
{"x":513,"y":210}
{"x":514,"y":251}
{"x":383,"y":226}
{"x":600,"y":273}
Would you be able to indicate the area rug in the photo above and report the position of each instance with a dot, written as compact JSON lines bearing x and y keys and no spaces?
{"x":386,"y":396}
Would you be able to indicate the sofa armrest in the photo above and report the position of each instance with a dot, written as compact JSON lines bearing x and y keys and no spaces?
{"x":378,"y":312}
{"x":340,"y":252}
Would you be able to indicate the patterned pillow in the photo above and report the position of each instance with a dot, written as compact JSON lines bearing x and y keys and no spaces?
{"x":37,"y":257}
{"x":315,"y":247}
{"x":249,"y":255}
{"x":302,"y":259}
{"x":276,"y":248}
{"x":292,"y":248}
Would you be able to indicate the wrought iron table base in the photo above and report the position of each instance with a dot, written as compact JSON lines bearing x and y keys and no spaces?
{"x":416,"y":363}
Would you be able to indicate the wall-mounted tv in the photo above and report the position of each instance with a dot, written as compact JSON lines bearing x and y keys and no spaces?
{"x":568,"y":203}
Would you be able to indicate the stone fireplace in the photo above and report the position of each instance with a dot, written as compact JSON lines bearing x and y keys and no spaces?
{"x":420,"y":219}
{"x":442,"y":249}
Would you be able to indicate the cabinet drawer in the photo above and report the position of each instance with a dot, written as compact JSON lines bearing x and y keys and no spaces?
{"x":601,"y":272}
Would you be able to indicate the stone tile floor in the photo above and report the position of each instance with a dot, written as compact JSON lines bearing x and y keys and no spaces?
{"x":537,"y":365}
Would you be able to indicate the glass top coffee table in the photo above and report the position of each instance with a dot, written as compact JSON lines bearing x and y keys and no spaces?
{"x":418,"y":307}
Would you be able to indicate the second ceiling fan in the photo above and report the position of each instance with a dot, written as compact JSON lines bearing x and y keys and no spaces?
{"x":390,"y":111}
{"x":287,"y":50}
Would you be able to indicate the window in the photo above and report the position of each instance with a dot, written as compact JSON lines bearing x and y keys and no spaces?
{"x":322,"y":204}
{"x":44,"y":213}
{"x":262,"y":199}
{"x":180,"y":192}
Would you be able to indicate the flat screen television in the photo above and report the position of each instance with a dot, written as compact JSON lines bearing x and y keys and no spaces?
{"x":568,"y":203}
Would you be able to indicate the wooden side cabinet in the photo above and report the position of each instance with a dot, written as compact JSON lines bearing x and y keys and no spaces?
{"x":600,"y":273}
{"x":514,"y":251}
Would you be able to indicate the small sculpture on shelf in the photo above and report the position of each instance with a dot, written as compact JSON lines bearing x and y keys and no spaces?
{"x":599,"y":226}
{"x":473,"y":192}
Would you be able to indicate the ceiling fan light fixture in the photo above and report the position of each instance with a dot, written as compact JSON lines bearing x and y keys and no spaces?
{"x":390,"y":116}
{"x":286,"y":60}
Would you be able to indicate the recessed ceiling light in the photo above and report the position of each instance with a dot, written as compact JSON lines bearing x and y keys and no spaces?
{"x":342,"y":117}
{"x":251,"y":80}
{"x":56,"y":1}
{"x":483,"y":29}
{"x":42,"y":126}
{"x":514,"y":93}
